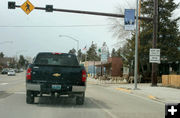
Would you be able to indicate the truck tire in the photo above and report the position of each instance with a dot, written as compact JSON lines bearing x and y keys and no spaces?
{"x":29,"y":97}
{"x":80,"y":99}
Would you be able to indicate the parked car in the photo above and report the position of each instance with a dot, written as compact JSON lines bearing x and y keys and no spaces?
{"x":4,"y":71}
{"x":11,"y":73}
{"x":52,"y":73}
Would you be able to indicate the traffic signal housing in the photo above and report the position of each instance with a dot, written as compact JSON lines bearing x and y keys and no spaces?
{"x":11,"y":5}
{"x":49,"y":8}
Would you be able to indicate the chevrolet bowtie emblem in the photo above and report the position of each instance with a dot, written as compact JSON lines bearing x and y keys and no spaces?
{"x":56,"y":74}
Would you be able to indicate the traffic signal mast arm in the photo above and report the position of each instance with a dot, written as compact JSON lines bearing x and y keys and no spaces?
{"x":49,"y":8}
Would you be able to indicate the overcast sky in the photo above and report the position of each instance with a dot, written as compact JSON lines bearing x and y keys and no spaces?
{"x":31,"y":40}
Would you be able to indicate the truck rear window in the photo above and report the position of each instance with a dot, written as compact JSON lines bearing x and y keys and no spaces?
{"x":56,"y":59}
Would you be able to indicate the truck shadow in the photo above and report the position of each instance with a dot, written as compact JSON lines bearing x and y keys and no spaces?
{"x":66,"y":102}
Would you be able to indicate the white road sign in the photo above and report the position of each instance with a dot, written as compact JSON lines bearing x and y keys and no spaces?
{"x":154,"y":59}
{"x":154,"y":56}
{"x":155,"y":52}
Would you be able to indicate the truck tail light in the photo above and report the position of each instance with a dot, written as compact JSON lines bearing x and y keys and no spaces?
{"x":83,"y":75}
{"x":28,"y":74}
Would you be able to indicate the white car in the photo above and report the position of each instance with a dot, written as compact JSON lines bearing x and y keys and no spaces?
{"x":11,"y":73}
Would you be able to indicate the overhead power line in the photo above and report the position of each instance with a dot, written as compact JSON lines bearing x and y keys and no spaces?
{"x":96,"y":25}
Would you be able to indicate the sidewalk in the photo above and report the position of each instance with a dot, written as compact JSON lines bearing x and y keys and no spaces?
{"x":159,"y":93}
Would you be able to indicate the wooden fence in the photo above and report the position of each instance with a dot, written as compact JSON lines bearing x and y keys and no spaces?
{"x":171,"y":80}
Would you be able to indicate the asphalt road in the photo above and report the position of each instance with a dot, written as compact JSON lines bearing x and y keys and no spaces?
{"x":100,"y":102}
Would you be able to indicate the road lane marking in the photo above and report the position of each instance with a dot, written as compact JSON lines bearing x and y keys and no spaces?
{"x":125,"y":90}
{"x":105,"y":110}
{"x":145,"y":98}
{"x":3,"y":83}
{"x":20,"y":92}
{"x":152,"y":97}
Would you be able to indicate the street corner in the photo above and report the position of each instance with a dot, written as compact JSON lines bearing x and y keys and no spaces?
{"x":124,"y":90}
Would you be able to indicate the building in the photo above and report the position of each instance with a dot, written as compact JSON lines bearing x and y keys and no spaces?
{"x":113,"y":67}
{"x":90,"y":67}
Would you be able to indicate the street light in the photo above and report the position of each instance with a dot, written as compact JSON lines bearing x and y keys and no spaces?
{"x":72,"y":39}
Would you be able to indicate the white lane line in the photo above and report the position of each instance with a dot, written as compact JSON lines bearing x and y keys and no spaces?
{"x":19,"y":92}
{"x":104,"y":109}
{"x":3,"y":83}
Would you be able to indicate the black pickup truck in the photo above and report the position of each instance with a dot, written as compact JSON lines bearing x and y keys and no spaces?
{"x":58,"y":73}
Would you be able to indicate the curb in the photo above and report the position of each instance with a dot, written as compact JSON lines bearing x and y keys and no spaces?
{"x":142,"y":95}
{"x":131,"y":91}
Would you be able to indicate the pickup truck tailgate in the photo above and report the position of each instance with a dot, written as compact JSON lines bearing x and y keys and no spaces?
{"x":57,"y":74}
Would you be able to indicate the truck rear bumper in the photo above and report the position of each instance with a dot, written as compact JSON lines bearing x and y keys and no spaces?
{"x":38,"y":87}
{"x":33,"y":87}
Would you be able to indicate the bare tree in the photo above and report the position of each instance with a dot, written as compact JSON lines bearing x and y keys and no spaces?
{"x":117,"y":27}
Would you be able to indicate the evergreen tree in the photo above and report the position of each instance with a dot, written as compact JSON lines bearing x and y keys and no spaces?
{"x":21,"y":60}
{"x":113,"y":54}
{"x":168,"y":35}
{"x":83,"y":58}
{"x":1,"y":55}
{"x":72,"y":51}
{"x":92,"y":54}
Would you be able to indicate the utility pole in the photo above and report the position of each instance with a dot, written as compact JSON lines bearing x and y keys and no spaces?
{"x":155,"y":30}
{"x":136,"y":49}
{"x":139,"y":40}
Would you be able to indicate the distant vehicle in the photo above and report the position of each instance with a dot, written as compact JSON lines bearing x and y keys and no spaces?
{"x":17,"y":70}
{"x":11,"y":73}
{"x":21,"y":70}
{"x":52,"y":73}
{"x":5,"y":71}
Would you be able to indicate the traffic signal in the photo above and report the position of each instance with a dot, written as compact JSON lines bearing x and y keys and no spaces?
{"x":11,"y":5}
{"x":49,"y":8}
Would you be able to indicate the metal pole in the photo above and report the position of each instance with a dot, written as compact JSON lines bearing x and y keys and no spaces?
{"x":155,"y":30}
{"x":139,"y":23}
{"x":136,"y":48}
{"x":94,"y":68}
{"x":89,"y":12}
